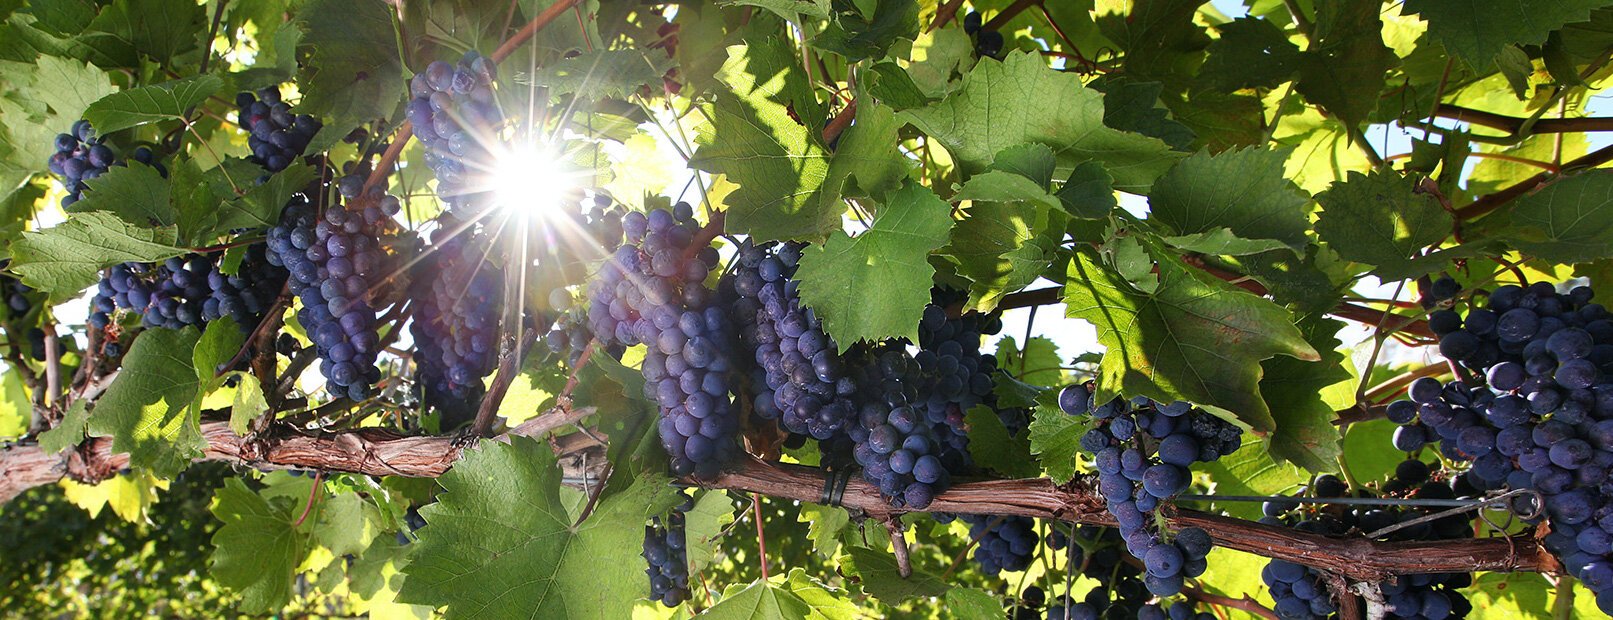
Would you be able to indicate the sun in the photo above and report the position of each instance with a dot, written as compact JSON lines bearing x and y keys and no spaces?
{"x":529,"y":180}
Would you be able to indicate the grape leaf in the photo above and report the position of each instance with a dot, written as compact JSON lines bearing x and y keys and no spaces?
{"x":345,"y":524}
{"x":68,"y":257}
{"x":1195,"y":338}
{"x":1222,"y":241}
{"x":880,"y":578}
{"x":867,"y":160}
{"x":1251,"y":471}
{"x":890,"y":257}
{"x":221,"y":340}
{"x":778,"y":162}
{"x":1089,"y":192}
{"x":1347,"y":57}
{"x":354,"y":73}
{"x":149,"y":104}
{"x":256,"y":551}
{"x":760,"y":600}
{"x":857,"y":36}
{"x":1293,"y":391}
{"x":67,"y":433}
{"x":1477,"y":30}
{"x":1242,"y":190}
{"x":147,"y":411}
{"x":1251,"y":53}
{"x":702,"y":525}
{"x":1161,"y":39}
{"x":993,"y":448}
{"x":161,"y":29}
{"x":137,"y":194}
{"x":1568,"y":221}
{"x":827,"y":603}
{"x":1056,"y":441}
{"x":973,"y":604}
{"x":825,"y":524}
{"x":1021,"y":100}
{"x":1002,"y":247}
{"x":1364,"y":449}
{"x":604,"y":73}
{"x":1129,"y":105}
{"x":249,"y":403}
{"x":483,"y":555}
{"x":790,"y":10}
{"x":1038,"y":364}
{"x":130,"y":495}
{"x":1377,"y":219}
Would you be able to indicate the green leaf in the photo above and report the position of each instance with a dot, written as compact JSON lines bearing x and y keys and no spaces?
{"x":1293,"y":391}
{"x":1568,"y":221}
{"x":249,"y":403}
{"x":1004,"y":186}
{"x":147,"y":411}
{"x":825,"y":525}
{"x":1161,"y":39}
{"x":947,"y":52}
{"x":881,"y":579}
{"x":1056,"y":441}
{"x":161,"y":29}
{"x":260,"y":207}
{"x":890,"y":257}
{"x":1022,"y":100}
{"x":67,"y":433}
{"x":137,"y":194}
{"x":1089,"y":192}
{"x":1377,"y":219}
{"x":778,"y":163}
{"x":354,"y":73}
{"x":1032,"y":161}
{"x":1134,"y":106}
{"x":827,"y":603}
{"x":993,"y":448}
{"x":1251,"y":53}
{"x":1038,"y":364}
{"x":759,"y":601}
{"x":1243,"y":191}
{"x":483,"y":555}
{"x":220,"y":342}
{"x":1222,"y":241}
{"x":256,"y":551}
{"x":346,"y":524}
{"x":972,"y":604}
{"x":67,"y":258}
{"x":149,"y":104}
{"x":702,"y":525}
{"x":1196,"y":338}
{"x":1476,"y":30}
{"x":790,"y":10}
{"x":1002,"y":247}
{"x":867,"y":160}
{"x":1346,"y":60}
{"x":1364,"y":449}
{"x":856,"y":36}
{"x":604,"y":73}
{"x":1252,"y":471}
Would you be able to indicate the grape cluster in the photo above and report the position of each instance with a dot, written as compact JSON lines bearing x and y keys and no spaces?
{"x":902,"y":434}
{"x":334,"y":261}
{"x":801,"y":382}
{"x":456,"y":318}
{"x":455,"y":114}
{"x":19,"y":298}
{"x":949,"y":349}
{"x":1002,"y":543}
{"x":1097,"y":554}
{"x":988,"y":43}
{"x":190,"y":290}
{"x":668,"y":557}
{"x":570,"y":331}
{"x":652,"y":291}
{"x":1143,"y":450}
{"x":81,"y":156}
{"x":1300,"y":592}
{"x":1542,"y":418}
{"x":276,"y":136}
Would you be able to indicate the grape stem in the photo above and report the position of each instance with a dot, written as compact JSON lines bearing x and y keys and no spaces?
{"x":508,"y":368}
{"x":973,"y":540}
{"x":313,"y":496}
{"x":904,"y":563}
{"x":945,"y":14}
{"x":1492,"y":201}
{"x":761,"y":539}
{"x":1243,"y":604}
